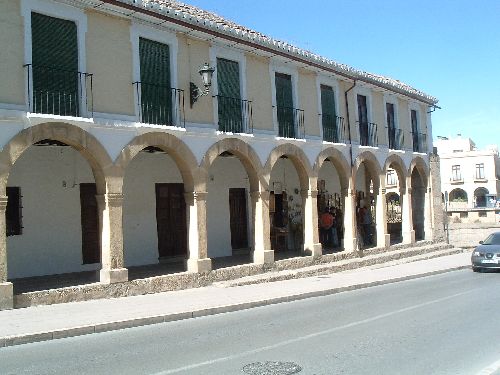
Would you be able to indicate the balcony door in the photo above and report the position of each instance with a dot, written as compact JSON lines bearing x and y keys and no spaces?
{"x":363,"y":120}
{"x":229,"y":98}
{"x":156,"y":90}
{"x":284,"y":105}
{"x":328,"y":118}
{"x":54,"y":66}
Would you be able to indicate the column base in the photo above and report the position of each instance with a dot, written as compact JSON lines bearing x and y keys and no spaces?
{"x":263,"y":257}
{"x":350,"y":246}
{"x":6,"y":296}
{"x":314,"y":250}
{"x":199,"y":265}
{"x":409,"y":237}
{"x":113,"y":276}
{"x":384,"y":241}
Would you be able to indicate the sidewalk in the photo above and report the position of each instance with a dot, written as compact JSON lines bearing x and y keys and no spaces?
{"x":78,"y":318}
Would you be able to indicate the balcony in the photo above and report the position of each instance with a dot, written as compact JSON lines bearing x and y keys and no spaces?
{"x":290,"y":122}
{"x":395,"y":137}
{"x":419,"y":142}
{"x":59,"y":92}
{"x":368,"y":134}
{"x":333,"y":128}
{"x":160,"y":104}
{"x":235,"y":115}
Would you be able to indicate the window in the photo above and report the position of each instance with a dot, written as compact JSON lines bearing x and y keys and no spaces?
{"x":414,"y":121}
{"x":480,"y":171}
{"x":54,"y":66}
{"x":456,"y":175}
{"x":284,"y":105}
{"x":13,"y":213}
{"x":392,"y":132}
{"x":156,"y":90}
{"x":482,"y":214}
{"x":391,"y":178}
{"x":229,"y":98}
{"x":328,"y":115}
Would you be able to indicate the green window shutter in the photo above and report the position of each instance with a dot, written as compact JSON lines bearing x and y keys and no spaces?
{"x":329,"y":120}
{"x":156,"y":90}
{"x":229,"y":99}
{"x":55,"y":65}
{"x":284,"y":105}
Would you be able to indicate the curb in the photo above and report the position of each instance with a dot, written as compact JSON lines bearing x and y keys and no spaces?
{"x":144,"y":321}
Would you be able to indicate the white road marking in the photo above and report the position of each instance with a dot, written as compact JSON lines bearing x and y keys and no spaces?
{"x":312,"y":335}
{"x":491,"y":369}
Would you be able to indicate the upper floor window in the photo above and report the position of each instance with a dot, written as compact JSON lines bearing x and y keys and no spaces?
{"x":232,"y":110}
{"x":329,"y":120}
{"x":391,"y":178}
{"x":156,"y":96}
{"x":367,"y":130}
{"x":456,"y":174}
{"x":395,"y":135}
{"x":480,"y":171}
{"x":288,"y":117}
{"x":419,"y":139}
{"x":414,"y":121}
{"x":57,"y":86}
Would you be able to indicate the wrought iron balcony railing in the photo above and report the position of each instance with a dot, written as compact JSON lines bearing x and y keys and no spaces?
{"x":160,"y":104}
{"x":395,"y":137}
{"x":368,"y":134}
{"x":290,"y":122}
{"x":60,"y":92}
{"x":235,"y":115}
{"x":419,"y":142}
{"x":333,"y":128}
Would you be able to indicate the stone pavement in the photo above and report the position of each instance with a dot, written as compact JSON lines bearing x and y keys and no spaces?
{"x":49,"y":322}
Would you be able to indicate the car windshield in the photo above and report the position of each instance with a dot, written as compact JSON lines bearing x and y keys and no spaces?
{"x":492,"y":239}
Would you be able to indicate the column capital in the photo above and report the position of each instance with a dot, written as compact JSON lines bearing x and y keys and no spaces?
{"x":195,"y":196}
{"x":409,"y":190}
{"x":348,"y":192}
{"x":260,"y":194}
{"x":383,"y":190}
{"x":111,"y":199}
{"x":3,"y":203}
{"x":305,"y":193}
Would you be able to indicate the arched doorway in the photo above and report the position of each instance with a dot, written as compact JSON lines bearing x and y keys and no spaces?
{"x":418,"y":196}
{"x":157,"y":174}
{"x":53,"y":217}
{"x":480,"y":197}
{"x":332,"y":183}
{"x":366,"y":187}
{"x":395,"y":187}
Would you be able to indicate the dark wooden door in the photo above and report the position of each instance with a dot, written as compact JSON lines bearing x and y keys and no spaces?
{"x":171,"y":222}
{"x":238,"y":218}
{"x":90,"y":224}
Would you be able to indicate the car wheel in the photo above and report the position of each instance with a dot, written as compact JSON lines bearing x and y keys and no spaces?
{"x":476,"y":269}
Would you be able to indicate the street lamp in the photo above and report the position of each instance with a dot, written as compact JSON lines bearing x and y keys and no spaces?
{"x":206,"y":73}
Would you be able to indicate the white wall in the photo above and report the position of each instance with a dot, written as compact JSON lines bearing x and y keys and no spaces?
{"x":331,"y":177}
{"x":224,"y":173}
{"x":140,"y":236}
{"x":51,"y":241}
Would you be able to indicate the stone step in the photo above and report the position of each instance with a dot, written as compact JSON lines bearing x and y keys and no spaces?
{"x":402,"y":255}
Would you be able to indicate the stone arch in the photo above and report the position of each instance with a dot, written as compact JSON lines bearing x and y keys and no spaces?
{"x":399,"y":166}
{"x":372,"y":162}
{"x":245,"y":153}
{"x":458,"y":195}
{"x":299,"y":160}
{"x":338,"y":160}
{"x":480,"y":196}
{"x":421,"y":167}
{"x":177,"y":149}
{"x":86,"y":144}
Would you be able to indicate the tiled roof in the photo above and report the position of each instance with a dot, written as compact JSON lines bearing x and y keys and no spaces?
{"x":209,"y":20}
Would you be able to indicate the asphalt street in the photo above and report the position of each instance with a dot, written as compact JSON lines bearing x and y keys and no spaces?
{"x":444,"y":324}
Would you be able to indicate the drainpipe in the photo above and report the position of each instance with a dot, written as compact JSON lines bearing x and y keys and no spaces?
{"x":349,"y":121}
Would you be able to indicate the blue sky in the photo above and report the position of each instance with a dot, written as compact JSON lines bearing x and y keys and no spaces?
{"x":449,"y":49}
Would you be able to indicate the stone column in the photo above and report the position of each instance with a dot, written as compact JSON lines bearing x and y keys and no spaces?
{"x":407,"y":216}
{"x":428,"y":214}
{"x":262,"y":252}
{"x":6,"y":288}
{"x":350,"y":240}
{"x":196,"y":203}
{"x":110,"y":208}
{"x":383,"y":238}
{"x":436,"y":204}
{"x":312,"y":245}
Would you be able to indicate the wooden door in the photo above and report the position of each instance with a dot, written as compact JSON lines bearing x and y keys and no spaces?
{"x":171,"y":222}
{"x":90,"y":224}
{"x":238,"y":218}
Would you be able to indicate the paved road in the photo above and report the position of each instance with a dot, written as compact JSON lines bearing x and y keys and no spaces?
{"x":444,"y":324}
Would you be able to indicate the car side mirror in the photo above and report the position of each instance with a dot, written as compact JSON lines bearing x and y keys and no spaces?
{"x":481,"y":242}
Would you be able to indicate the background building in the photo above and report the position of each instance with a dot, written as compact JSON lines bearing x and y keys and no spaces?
{"x":470,"y":179}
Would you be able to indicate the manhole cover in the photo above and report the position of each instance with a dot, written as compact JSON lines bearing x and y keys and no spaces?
{"x":272,"y":368}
